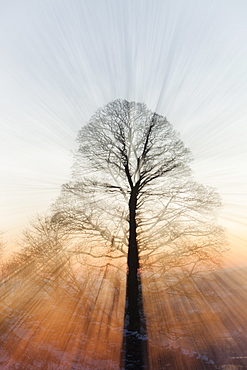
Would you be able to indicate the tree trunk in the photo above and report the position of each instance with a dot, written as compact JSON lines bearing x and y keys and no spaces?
{"x":133,"y":265}
{"x":133,"y":259}
{"x":135,"y":336}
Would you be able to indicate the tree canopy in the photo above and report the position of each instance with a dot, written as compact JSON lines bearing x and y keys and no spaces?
{"x":131,"y":179}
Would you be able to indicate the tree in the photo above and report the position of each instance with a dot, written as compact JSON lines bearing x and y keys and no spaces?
{"x":60,"y":309}
{"x":133,"y":190}
{"x":43,"y":260}
{"x":133,"y":195}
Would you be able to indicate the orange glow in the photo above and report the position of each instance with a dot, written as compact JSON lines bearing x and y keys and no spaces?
{"x":47,"y":322}
{"x":72,"y":322}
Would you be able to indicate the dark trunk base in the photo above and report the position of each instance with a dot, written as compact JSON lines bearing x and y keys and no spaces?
{"x":135,"y":351}
{"x":135,"y":344}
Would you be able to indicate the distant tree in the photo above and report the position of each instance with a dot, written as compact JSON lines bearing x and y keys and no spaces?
{"x":43,"y":258}
{"x":46,"y":295}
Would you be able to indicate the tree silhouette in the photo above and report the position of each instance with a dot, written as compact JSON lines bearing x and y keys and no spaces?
{"x":133,"y":195}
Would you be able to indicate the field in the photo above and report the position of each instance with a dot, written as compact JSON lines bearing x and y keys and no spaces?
{"x":76,"y":322}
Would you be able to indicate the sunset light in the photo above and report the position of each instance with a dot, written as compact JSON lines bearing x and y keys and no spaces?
{"x":123,"y":128}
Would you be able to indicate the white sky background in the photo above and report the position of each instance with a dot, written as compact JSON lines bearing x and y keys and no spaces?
{"x":60,"y":60}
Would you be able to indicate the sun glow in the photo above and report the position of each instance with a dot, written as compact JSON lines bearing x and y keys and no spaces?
{"x":64,"y":301}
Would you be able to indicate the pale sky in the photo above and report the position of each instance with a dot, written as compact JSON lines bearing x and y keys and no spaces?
{"x":60,"y":60}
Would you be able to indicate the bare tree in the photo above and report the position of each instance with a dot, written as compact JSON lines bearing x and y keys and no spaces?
{"x":43,"y":290}
{"x":133,"y":192}
{"x":133,"y":195}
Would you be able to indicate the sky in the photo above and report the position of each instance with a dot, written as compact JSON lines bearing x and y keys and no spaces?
{"x":60,"y":60}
